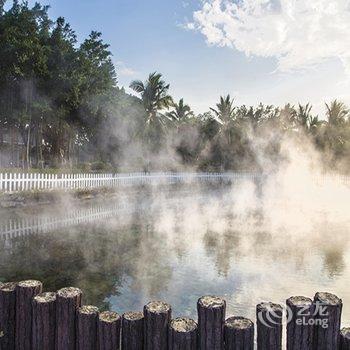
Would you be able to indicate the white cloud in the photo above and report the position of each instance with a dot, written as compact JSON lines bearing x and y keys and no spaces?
{"x":123,"y":70}
{"x":298,"y":33}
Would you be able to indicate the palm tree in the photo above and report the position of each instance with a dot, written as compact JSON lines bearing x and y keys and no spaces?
{"x":224,"y":114}
{"x":154,"y":94}
{"x":181,"y":111}
{"x":225,"y":110}
{"x":314,"y":124}
{"x":303,"y":115}
{"x":336,"y":113}
{"x":288,"y":116}
{"x":306,"y":120}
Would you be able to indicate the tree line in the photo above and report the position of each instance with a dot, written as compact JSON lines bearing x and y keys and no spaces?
{"x":62,"y":98}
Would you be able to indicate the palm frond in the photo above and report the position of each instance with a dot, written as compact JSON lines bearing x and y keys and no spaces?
{"x":137,"y":86}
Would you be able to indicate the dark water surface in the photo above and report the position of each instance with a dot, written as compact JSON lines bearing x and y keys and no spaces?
{"x":174,"y":246}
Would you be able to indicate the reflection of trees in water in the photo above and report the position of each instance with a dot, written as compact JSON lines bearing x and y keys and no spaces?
{"x":334,"y":262}
{"x":96,"y":259}
{"x":106,"y":253}
{"x":52,"y":260}
{"x":138,"y":257}
{"x":277,"y":249}
{"x":93,"y":260}
{"x":222,"y":247}
{"x":333,"y":245}
{"x":152,"y":263}
{"x":179,"y":234}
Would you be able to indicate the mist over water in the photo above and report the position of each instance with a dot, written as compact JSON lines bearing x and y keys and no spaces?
{"x":285,"y":234}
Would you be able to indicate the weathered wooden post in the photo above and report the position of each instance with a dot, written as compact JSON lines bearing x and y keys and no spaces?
{"x":300,"y":323}
{"x":87,"y":317}
{"x":132,"y":331}
{"x":328,"y":308}
{"x":269,"y":326}
{"x":183,"y":334}
{"x":109,"y":326}
{"x":157,"y":318}
{"x":44,"y":321}
{"x":211,"y":319}
{"x":25,"y":292}
{"x":239,"y":334}
{"x":345,"y":339}
{"x":68,"y":300}
{"x":7,"y":316}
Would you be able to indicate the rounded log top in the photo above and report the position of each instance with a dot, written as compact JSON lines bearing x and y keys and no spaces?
{"x":327,"y":298}
{"x":183,"y":325}
{"x":345,"y":333}
{"x":268,"y":306}
{"x":8,"y":287}
{"x":210,"y":301}
{"x":69,"y":292}
{"x":238,"y":322}
{"x":108,"y":317}
{"x":46,"y":297}
{"x":29,"y":284}
{"x":158,"y":307}
{"x":133,"y":316}
{"x":300,"y":301}
{"x":88,"y":310}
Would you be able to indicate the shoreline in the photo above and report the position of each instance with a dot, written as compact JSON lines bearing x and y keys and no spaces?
{"x":36,"y":199}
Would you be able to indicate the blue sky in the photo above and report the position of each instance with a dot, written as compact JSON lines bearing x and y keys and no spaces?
{"x":203,"y":53}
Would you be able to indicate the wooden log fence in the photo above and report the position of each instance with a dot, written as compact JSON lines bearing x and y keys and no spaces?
{"x":132,"y":331}
{"x":269,"y":326}
{"x":44,"y":321}
{"x":328,"y":312}
{"x":183,"y":334}
{"x":239,"y":333}
{"x":67,"y":304}
{"x":87,"y":335}
{"x":25,"y":292}
{"x":33,"y":320}
{"x":157,"y":319}
{"x":109,"y":329}
{"x":300,"y":310}
{"x":211,"y":317}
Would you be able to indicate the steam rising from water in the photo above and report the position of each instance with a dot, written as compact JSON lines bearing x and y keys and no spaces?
{"x":251,"y":241}
{"x":286,"y":235}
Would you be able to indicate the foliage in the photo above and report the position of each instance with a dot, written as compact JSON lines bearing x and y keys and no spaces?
{"x":154,"y":95}
{"x":60,"y":105}
{"x":181,"y":112}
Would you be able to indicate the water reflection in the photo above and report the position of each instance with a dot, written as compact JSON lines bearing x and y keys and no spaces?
{"x":177,"y":247}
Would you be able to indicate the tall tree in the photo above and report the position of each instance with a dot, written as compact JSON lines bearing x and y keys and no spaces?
{"x":62,"y":87}
{"x":304,"y":119}
{"x":224,"y":111}
{"x":181,"y":112}
{"x":154,"y":95}
{"x":224,"y":114}
{"x":23,"y":62}
{"x":337,"y":131}
{"x":336,"y":113}
{"x":98,"y":78}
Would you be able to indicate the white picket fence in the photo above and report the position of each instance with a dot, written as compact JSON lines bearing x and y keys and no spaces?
{"x":17,"y":182}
